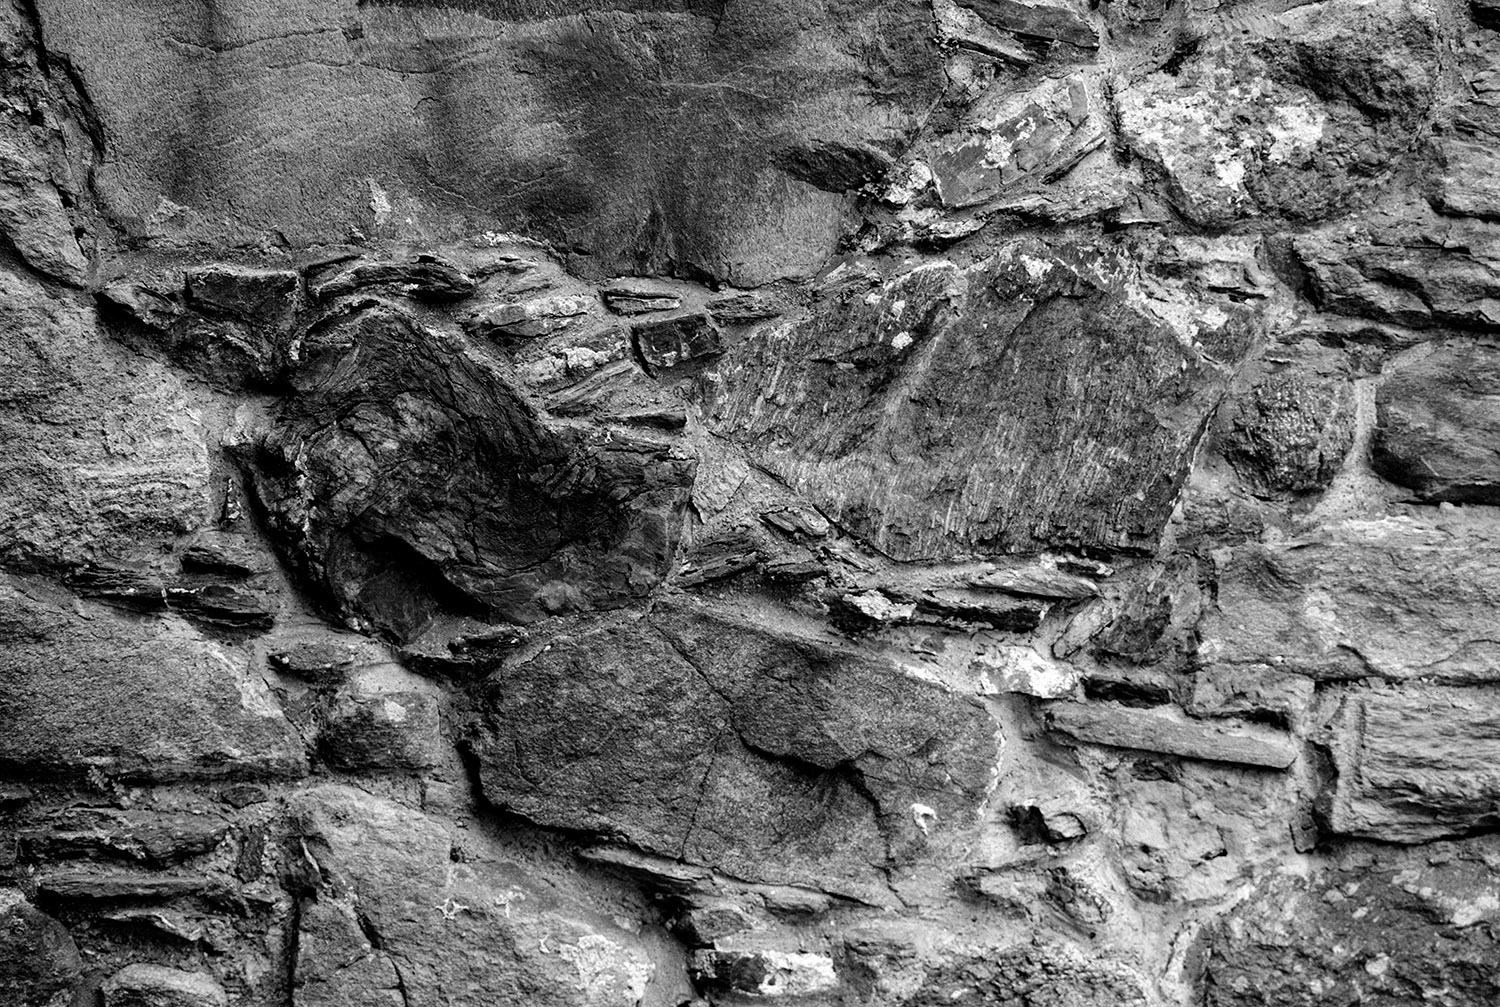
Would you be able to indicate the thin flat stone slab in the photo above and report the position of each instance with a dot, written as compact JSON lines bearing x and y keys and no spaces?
{"x":1164,"y":730}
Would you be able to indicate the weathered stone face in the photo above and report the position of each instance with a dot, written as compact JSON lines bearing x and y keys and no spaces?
{"x":941,"y":411}
{"x":698,"y":736}
{"x":1438,"y":427}
{"x":867,"y":503}
{"x":454,"y":492}
{"x":582,"y":123}
{"x":1406,"y":925}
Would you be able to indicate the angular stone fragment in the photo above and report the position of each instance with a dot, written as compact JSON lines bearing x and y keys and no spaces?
{"x":258,"y":297}
{"x":530,"y":319}
{"x":485,"y":931}
{"x":406,"y":476}
{"x":1396,"y":597}
{"x":1024,"y":670}
{"x":674,"y":341}
{"x":764,"y":973}
{"x":741,"y":306}
{"x":32,"y":216}
{"x":1161,"y":730}
{"x":1376,"y":925}
{"x":943,"y":412}
{"x":1054,"y":22}
{"x":1042,"y":972}
{"x":1030,"y":137}
{"x":770,"y":758}
{"x":158,"y":986}
{"x":152,"y":700}
{"x":336,"y":964}
{"x":1381,"y":55}
{"x":39,"y":962}
{"x":1233,"y":140}
{"x":425,"y":277}
{"x":1416,"y":763}
{"x":1438,"y":424}
{"x":1255,"y":692}
{"x":1042,"y":580}
{"x":1468,"y":186}
{"x":629,"y":296}
{"x":381,"y":730}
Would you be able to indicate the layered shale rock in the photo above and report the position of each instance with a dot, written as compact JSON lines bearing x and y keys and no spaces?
{"x":878,"y":503}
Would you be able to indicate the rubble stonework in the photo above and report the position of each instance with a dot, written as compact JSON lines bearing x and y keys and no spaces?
{"x":665,"y":504}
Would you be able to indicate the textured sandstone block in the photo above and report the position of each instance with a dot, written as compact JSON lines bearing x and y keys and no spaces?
{"x":1416,"y":763}
{"x":768,"y":757}
{"x":1438,"y":424}
{"x":158,"y":986}
{"x":1376,"y":925}
{"x":941,"y":411}
{"x":303,"y":125}
{"x":1396,"y":597}
{"x":140,"y":698}
{"x":480,"y":932}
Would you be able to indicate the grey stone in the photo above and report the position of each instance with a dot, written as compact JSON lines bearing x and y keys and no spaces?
{"x":771,"y":758}
{"x":39,"y":963}
{"x":447,"y":490}
{"x":154,"y":700}
{"x":1438,"y":424}
{"x":1416,"y":763}
{"x":108,"y":455}
{"x":890,"y":423}
{"x":157,"y":986}
{"x":1373,"y":925}
{"x":1291,"y":429}
{"x":109,"y":886}
{"x":189,"y":106}
{"x":1162,"y":730}
{"x":488,"y":931}
{"x":1396,"y":598}
{"x":381,"y":730}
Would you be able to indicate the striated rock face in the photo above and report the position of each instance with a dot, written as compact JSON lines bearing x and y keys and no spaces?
{"x":870,"y":503}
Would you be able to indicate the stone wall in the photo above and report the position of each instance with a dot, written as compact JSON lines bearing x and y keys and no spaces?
{"x":857,"y":502}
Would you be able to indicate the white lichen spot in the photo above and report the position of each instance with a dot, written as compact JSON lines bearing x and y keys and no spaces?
{"x":380,"y":203}
{"x":604,"y":965}
{"x":451,"y":908}
{"x":509,"y":897}
{"x":1296,"y":128}
{"x":901,"y":340}
{"x":796,"y":974}
{"x":1036,"y":268}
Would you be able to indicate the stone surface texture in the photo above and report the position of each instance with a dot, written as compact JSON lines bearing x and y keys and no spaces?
{"x":702,"y":503}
